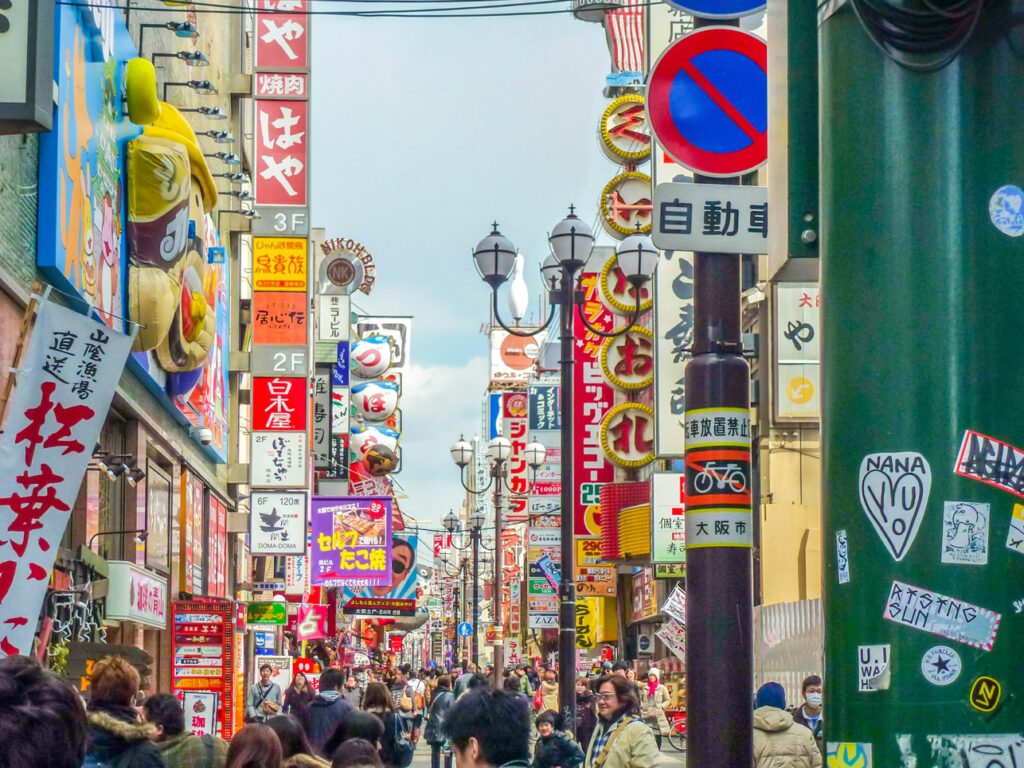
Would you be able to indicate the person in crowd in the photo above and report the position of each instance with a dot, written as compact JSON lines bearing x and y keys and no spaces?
{"x":434,"y":734}
{"x":355,"y":725}
{"x":298,"y":695}
{"x":656,"y":701}
{"x":265,"y":697}
{"x":296,"y":751}
{"x":623,"y":669}
{"x":489,"y":671}
{"x":511,"y":684}
{"x":180,"y":748}
{"x":396,"y":748}
{"x":524,"y":680}
{"x":532,"y":676}
{"x":778,"y":741}
{"x":353,"y":693}
{"x":322,"y":715}
{"x":255,"y":746}
{"x":549,"y":690}
{"x":356,"y":753}
{"x":586,"y":712}
{"x":116,"y":735}
{"x":555,"y":748}
{"x":489,"y":729}
{"x":416,"y":691}
{"x":809,"y":714}
{"x":621,"y":738}
{"x":462,"y":683}
{"x":42,"y":720}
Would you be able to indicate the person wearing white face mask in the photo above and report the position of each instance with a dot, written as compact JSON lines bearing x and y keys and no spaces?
{"x":809,"y":714}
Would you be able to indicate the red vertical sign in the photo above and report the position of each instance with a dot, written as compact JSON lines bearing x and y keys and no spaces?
{"x":204,"y":654}
{"x":592,"y":398}
{"x":282,"y":152}
{"x":282,"y":35}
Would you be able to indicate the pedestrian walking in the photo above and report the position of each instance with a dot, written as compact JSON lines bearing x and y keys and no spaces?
{"x":524,"y":680}
{"x":462,"y":683}
{"x":357,"y":753}
{"x":489,"y":729}
{"x":116,"y":737}
{"x":555,"y":748}
{"x":180,"y":748}
{"x":42,"y":720}
{"x":255,"y":746}
{"x":396,"y":748}
{"x":296,"y":751}
{"x":778,"y":741}
{"x":549,"y":690}
{"x":809,"y":714}
{"x":512,"y":685}
{"x":621,"y":738}
{"x":623,"y":670}
{"x":656,"y":701}
{"x":586,"y":712}
{"x":299,"y":694}
{"x":265,"y":698}
{"x":322,"y":715}
{"x":355,"y":725}
{"x":353,"y":692}
{"x":416,"y":690}
{"x":434,"y":734}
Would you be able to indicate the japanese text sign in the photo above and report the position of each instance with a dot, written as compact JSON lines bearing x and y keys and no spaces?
{"x":797,"y":335}
{"x":64,"y":391}
{"x":279,"y":404}
{"x":715,"y":218}
{"x":277,"y":524}
{"x":668,"y":517}
{"x":278,"y":85}
{"x":279,"y":459}
{"x":282,"y":152}
{"x":282,"y":35}
{"x":279,"y":264}
{"x":545,"y":411}
{"x":594,"y":576}
{"x":204,"y":649}
{"x":351,"y":540}
{"x":279,"y":317}
{"x":673,"y":336}
{"x":515,"y":412}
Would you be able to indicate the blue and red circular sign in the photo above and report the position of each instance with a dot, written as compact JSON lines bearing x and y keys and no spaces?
{"x":707,"y":101}
{"x":718,"y":9}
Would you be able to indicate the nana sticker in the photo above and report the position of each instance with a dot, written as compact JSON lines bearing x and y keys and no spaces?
{"x":1006,"y":209}
{"x":1015,"y":536}
{"x":894,"y":491}
{"x":842,"y":557}
{"x":965,"y":532}
{"x":940,"y":665}
{"x":847,"y":754}
{"x":873,"y":673}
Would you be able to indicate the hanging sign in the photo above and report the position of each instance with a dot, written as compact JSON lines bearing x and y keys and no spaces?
{"x":278,"y":317}
{"x":628,"y":360}
{"x":278,"y":459}
{"x":627,"y":434}
{"x":277,"y":523}
{"x":279,"y":264}
{"x":279,"y":404}
{"x":707,"y":100}
{"x":351,"y":540}
{"x":281,"y":36}
{"x":626,"y":205}
{"x":203,"y":651}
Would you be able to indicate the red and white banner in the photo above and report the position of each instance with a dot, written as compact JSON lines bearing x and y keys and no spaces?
{"x":281,"y":85}
{"x":626,"y":36}
{"x":279,"y":404}
{"x":282,"y":152}
{"x":515,"y":411}
{"x":66,"y":383}
{"x":282,"y":35}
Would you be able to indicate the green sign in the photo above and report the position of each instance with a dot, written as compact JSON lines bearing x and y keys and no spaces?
{"x":266,"y":613}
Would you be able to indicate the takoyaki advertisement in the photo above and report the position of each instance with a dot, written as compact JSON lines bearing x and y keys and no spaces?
{"x":351,"y":541}
{"x":396,"y":597}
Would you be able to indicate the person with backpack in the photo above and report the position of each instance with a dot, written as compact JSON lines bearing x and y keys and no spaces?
{"x":416,"y":691}
{"x":322,"y":715}
{"x":396,"y":748}
{"x":180,"y":748}
{"x":116,"y":737}
{"x":434,"y":732}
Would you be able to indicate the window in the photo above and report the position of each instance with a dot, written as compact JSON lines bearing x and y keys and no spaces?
{"x":158,"y":512}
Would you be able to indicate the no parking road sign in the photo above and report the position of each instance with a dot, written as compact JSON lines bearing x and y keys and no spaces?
{"x":707,"y":101}
{"x":719,"y":9}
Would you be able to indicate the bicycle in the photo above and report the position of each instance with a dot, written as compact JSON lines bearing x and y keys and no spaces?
{"x":676,"y":735}
{"x":721,"y":476}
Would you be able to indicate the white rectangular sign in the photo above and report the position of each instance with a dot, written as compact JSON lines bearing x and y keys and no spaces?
{"x":136,"y":594}
{"x":797,"y":356}
{"x":201,"y":712}
{"x":64,"y":389}
{"x":333,"y":321}
{"x":277,"y":523}
{"x":673,"y":335}
{"x":279,"y":459}
{"x":714,"y":218}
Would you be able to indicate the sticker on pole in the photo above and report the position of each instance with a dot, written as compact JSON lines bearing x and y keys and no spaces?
{"x":707,"y":101}
{"x":718,"y":9}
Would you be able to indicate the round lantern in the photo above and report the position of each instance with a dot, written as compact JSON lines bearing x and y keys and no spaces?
{"x":363,"y":438}
{"x":370,"y":357}
{"x":375,"y":400}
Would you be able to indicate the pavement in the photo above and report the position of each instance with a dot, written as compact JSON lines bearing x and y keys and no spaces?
{"x":669,"y":757}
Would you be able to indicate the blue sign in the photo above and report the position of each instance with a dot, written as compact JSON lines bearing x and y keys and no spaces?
{"x":718,"y":9}
{"x":465,"y":629}
{"x":544,"y":407}
{"x":493,"y":416}
{"x":339,"y":376}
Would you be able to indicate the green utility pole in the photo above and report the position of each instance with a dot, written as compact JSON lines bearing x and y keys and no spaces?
{"x":923,"y":405}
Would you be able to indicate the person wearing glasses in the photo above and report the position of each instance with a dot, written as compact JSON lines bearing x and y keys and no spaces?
{"x":621,"y":738}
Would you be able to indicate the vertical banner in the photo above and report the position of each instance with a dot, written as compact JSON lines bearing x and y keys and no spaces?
{"x":67,"y":381}
{"x":668,"y":517}
{"x":203,"y":648}
{"x":351,"y":541}
{"x":797,"y":334}
{"x":515,"y":418}
{"x":594,"y":397}
{"x":673,"y":336}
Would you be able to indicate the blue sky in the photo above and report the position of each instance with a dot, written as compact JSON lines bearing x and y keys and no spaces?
{"x":423,"y":132}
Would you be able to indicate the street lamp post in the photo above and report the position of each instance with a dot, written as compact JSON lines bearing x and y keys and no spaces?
{"x":571,"y":243}
{"x":476,"y":524}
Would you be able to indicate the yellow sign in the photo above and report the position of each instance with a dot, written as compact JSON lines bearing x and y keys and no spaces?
{"x":279,"y":264}
{"x":848,"y":754}
{"x":800,"y":390}
{"x":586,"y":622}
{"x":594,"y":576}
{"x":985,"y":693}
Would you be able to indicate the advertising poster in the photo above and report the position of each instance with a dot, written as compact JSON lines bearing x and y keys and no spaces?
{"x":203,"y":648}
{"x":397,"y":597}
{"x":351,"y":541}
{"x":279,"y":264}
{"x":513,"y":357}
{"x":200,"y":712}
{"x":64,"y":391}
{"x":543,"y":540}
{"x":594,"y":576}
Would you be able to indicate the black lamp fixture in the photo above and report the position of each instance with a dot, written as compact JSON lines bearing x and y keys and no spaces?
{"x":239,"y":176}
{"x":228,"y":158}
{"x":113,"y":465}
{"x":242,"y":194}
{"x":212,"y":113}
{"x":202,"y":87}
{"x":141,"y":534}
{"x":221,"y":137}
{"x":192,"y":58}
{"x":182,"y":29}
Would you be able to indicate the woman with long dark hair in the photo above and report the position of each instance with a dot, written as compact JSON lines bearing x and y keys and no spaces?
{"x":255,"y":746}
{"x":396,"y":748}
{"x":298,"y":695}
{"x":296,"y":751}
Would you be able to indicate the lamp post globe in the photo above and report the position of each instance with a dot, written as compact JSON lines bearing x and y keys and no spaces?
{"x":494,"y":256}
{"x":535,"y":453}
{"x":462,"y":452}
{"x":551,"y":273}
{"x":571,"y":242}
{"x":476,"y":521}
{"x":500,"y":449}
{"x":449,"y":522}
{"x":637,"y":258}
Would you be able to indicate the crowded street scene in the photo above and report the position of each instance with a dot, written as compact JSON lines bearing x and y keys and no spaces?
{"x":511,"y":384}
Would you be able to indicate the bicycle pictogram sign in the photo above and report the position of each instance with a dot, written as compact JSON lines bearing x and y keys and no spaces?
{"x":716,"y":477}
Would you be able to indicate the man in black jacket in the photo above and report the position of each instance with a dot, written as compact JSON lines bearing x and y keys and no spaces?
{"x":323,"y":713}
{"x":434,"y":733}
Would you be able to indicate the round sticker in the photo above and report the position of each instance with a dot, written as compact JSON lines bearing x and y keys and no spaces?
{"x":1006,"y":209}
{"x":940,"y":665}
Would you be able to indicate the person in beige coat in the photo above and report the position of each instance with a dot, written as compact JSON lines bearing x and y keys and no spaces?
{"x":656,"y":701}
{"x":778,"y":741}
{"x":621,"y":739}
